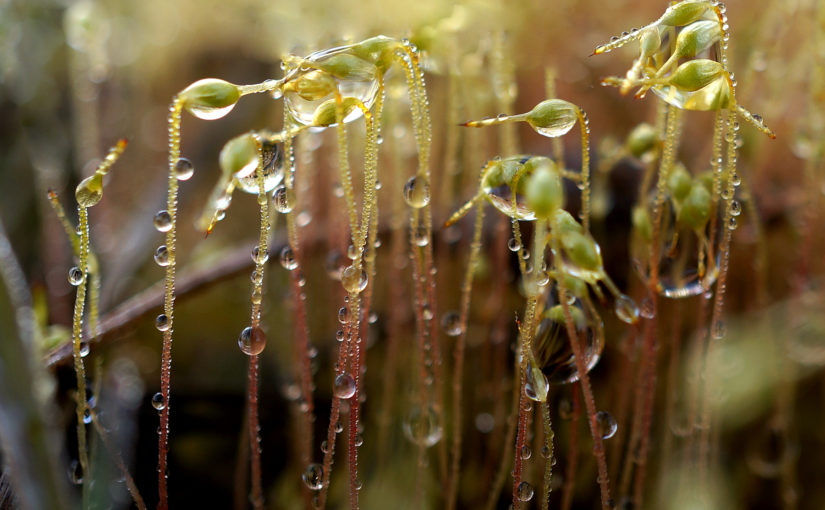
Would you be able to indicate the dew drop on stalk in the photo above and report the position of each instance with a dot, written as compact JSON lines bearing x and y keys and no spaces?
{"x":525,"y":491}
{"x":87,"y":416}
{"x":184,"y":169}
{"x":417,"y":192}
{"x":288,"y":259}
{"x":546,"y":452}
{"x":162,"y":221}
{"x":258,"y":256}
{"x":626,"y":309}
{"x":451,"y":323}
{"x":284,"y":199}
{"x":158,"y":402}
{"x":343,"y":315}
{"x":420,"y":236}
{"x":421,"y":426}
{"x":718,"y":330}
{"x":427,"y":312}
{"x":75,"y":276}
{"x":735,"y":208}
{"x":84,"y":349}
{"x":354,"y":279}
{"x":162,"y":256}
{"x":252,"y":341}
{"x":536,"y":386}
{"x":162,"y":322}
{"x":513,"y":245}
{"x":607,"y":425}
{"x":313,"y":476}
{"x":344,"y":386}
{"x":526,"y":453}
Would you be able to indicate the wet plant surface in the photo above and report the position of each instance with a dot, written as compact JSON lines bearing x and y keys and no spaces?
{"x":439,"y":259}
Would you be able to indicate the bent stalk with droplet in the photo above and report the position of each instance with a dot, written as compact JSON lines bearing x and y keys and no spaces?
{"x":88,"y":193}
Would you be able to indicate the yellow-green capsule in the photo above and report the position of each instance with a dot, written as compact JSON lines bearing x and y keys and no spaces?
{"x":642,"y":140}
{"x":696,"y":74}
{"x":312,"y":86}
{"x":239,"y":156}
{"x":380,"y":50}
{"x":581,"y":250}
{"x":641,"y":223}
{"x":552,"y":117}
{"x":681,"y":14}
{"x":210,"y":98}
{"x":544,"y":192}
{"x":697,"y":37}
{"x":679,"y":182}
{"x":712,"y":97}
{"x":325,"y":115}
{"x":345,"y":66}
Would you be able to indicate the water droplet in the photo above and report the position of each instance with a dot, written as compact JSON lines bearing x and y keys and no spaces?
{"x":252,"y":341}
{"x":359,"y":440}
{"x":546,"y":452}
{"x":184,"y":169}
{"x":732,"y":223}
{"x":427,"y":312}
{"x":525,"y":491}
{"x":607,"y":425}
{"x":162,"y":322}
{"x":338,"y":426}
{"x":84,"y":349}
{"x":343,"y":315}
{"x":75,"y":276}
{"x":421,"y":426}
{"x":339,"y":335}
{"x":313,"y":476}
{"x":87,"y":416}
{"x":646,"y":310}
{"x":417,"y":192}
{"x":284,"y":199}
{"x":626,"y":309}
{"x":288,"y":259}
{"x":536,"y":386}
{"x":420,"y":237}
{"x":513,"y":245}
{"x":354,"y":279}
{"x":451,"y":323}
{"x":325,"y":446}
{"x":162,"y":256}
{"x":735,"y":208}
{"x":158,"y":402}
{"x":75,"y":473}
{"x":258,"y":256}
{"x":163,"y":221}
{"x":526,"y":453}
{"x":344,"y":386}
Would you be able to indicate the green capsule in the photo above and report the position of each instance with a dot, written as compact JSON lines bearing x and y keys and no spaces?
{"x":681,"y":14}
{"x":210,"y":98}
{"x":312,"y":86}
{"x":380,"y":50}
{"x":696,"y":74}
{"x":324,"y":115}
{"x":564,"y":222}
{"x":345,"y":66}
{"x":582,"y":251}
{"x":642,"y":140}
{"x":239,"y":157}
{"x":714,"y":96}
{"x":552,"y":117}
{"x":695,"y":210}
{"x":544,"y":192}
{"x":679,"y":182}
{"x":697,"y":37}
{"x":90,"y":190}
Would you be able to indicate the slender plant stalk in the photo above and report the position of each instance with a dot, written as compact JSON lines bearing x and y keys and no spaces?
{"x":572,"y":450}
{"x":77,"y":339}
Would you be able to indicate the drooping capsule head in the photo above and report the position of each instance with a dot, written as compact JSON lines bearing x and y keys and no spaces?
{"x":90,"y":190}
{"x":714,"y":96}
{"x":379,"y":50}
{"x":544,"y":191}
{"x":239,"y":156}
{"x":552,"y":117}
{"x":697,"y":37}
{"x":210,"y":98}
{"x":312,"y":86}
{"x":696,"y":74}
{"x":682,"y":13}
{"x":345,"y":66}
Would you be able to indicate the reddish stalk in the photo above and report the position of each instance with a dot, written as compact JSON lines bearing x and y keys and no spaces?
{"x":572,"y":451}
